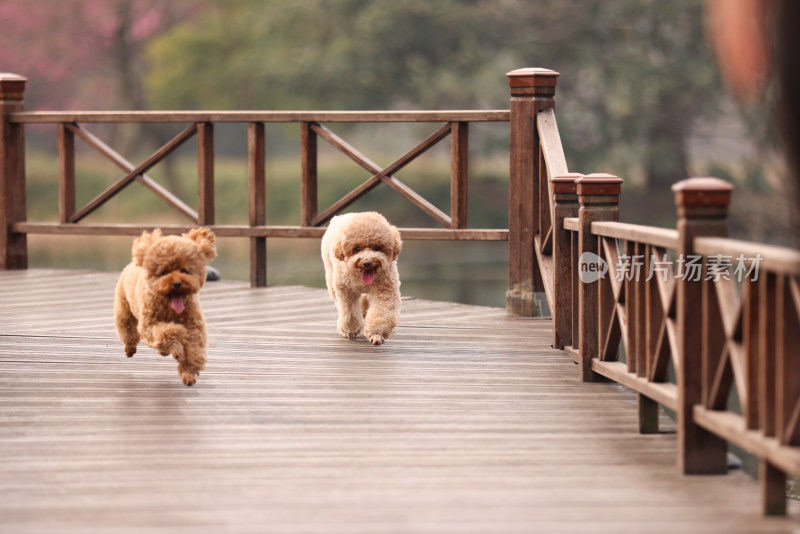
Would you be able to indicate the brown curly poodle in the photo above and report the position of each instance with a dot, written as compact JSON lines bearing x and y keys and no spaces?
{"x":360,"y":253}
{"x":156,"y":298}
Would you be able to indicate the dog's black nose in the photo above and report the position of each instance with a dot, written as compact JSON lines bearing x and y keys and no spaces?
{"x":367,"y":264}
{"x":176,"y":285}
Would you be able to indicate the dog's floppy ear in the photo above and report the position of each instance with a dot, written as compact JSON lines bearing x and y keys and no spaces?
{"x":142,"y":243}
{"x":338,"y":250}
{"x":206,"y":239}
{"x":398,"y":243}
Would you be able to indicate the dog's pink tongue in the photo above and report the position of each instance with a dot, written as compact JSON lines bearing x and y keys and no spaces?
{"x":176,"y":301}
{"x":368,"y":276}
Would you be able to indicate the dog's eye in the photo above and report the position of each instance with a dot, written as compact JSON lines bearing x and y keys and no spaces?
{"x":376,"y":249}
{"x":184,"y":271}
{"x":165,"y":272}
{"x":357,"y":249}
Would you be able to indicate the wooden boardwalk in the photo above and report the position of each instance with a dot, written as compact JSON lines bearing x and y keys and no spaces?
{"x":465,"y":421}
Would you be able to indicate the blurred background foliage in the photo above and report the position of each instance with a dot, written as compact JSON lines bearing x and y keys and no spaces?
{"x":640,"y":96}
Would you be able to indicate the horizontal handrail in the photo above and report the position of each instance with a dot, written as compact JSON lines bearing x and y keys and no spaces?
{"x":234,"y":230}
{"x":732,"y":427}
{"x":779,"y":260}
{"x":648,"y":235}
{"x":258,"y":116}
{"x":662,"y":392}
{"x":552,"y":149}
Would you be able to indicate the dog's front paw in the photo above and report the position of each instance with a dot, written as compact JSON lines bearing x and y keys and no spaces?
{"x":376,"y":339}
{"x":130,"y":350}
{"x":348,"y":334}
{"x":188,"y":378}
{"x":349,"y":329}
{"x":377,"y":334}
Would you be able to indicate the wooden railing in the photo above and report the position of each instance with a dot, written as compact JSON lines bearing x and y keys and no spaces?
{"x":531,"y":111}
{"x":706,"y":326}
{"x":703,"y":325}
{"x":73,"y":218}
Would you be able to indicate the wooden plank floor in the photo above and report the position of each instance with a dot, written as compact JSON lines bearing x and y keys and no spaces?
{"x":465,"y":421}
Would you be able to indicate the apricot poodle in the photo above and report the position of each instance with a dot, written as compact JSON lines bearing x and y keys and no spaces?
{"x":156,"y":298}
{"x":360,"y":253}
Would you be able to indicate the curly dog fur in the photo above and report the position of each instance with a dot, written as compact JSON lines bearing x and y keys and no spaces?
{"x":156,"y":298}
{"x":360,"y":253}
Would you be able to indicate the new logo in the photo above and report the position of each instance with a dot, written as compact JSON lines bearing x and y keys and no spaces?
{"x":591,"y":267}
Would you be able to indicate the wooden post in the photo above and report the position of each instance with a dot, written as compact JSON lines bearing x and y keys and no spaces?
{"x":598,"y":196}
{"x":66,"y":173}
{"x":767,"y":350}
{"x":205,"y":173}
{"x":13,"y":246}
{"x":773,"y":489}
{"x":256,"y":156}
{"x":770,"y":313}
{"x":636,"y":293}
{"x":751,"y":317}
{"x":653,"y":315}
{"x":702,"y":205}
{"x":565,"y":195}
{"x":532,"y":91}
{"x":308,"y":178}
{"x":459,"y":150}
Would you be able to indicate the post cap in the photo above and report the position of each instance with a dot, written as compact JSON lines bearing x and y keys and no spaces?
{"x":702,"y":191}
{"x":533,"y":82}
{"x":566,"y":182}
{"x":532,"y":77}
{"x":599,"y":184}
{"x":12,"y":86}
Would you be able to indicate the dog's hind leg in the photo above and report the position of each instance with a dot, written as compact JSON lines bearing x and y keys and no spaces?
{"x":126,"y":323}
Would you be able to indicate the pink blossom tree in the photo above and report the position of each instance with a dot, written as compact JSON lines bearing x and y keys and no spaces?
{"x":84,"y":54}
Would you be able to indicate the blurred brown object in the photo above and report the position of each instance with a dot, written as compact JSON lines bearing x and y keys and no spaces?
{"x":756,"y":42}
{"x":738,"y":30}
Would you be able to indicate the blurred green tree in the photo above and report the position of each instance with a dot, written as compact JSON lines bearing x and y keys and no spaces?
{"x":636,"y":74}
